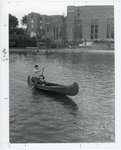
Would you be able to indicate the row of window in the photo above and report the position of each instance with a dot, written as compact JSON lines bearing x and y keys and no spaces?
{"x":93,"y":32}
{"x":32,"y":26}
{"x":33,"y":20}
{"x":55,"y":32}
{"x":94,"y":28}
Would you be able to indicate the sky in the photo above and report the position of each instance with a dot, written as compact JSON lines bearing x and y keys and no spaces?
{"x":19,"y":9}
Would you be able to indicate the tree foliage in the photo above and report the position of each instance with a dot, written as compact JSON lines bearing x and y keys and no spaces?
{"x":13,"y":21}
{"x":77,"y":31}
{"x":24,"y":20}
{"x":17,"y":31}
{"x":63,"y":32}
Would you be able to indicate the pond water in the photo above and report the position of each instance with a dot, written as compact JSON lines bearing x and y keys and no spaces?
{"x":39,"y":117}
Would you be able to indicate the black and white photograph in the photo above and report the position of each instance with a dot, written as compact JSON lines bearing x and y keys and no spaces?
{"x":61,"y":72}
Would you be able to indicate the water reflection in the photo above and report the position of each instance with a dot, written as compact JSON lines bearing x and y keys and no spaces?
{"x":66,"y":101}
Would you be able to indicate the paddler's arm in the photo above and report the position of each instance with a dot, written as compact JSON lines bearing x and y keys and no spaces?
{"x":38,"y":70}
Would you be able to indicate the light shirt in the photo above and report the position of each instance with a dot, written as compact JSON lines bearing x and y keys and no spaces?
{"x":35,"y":73}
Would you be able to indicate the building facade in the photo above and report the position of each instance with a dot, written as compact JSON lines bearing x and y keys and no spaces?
{"x":53,"y":27}
{"x":90,"y":22}
{"x":45,"y":27}
{"x":34,"y":24}
{"x":81,"y":22}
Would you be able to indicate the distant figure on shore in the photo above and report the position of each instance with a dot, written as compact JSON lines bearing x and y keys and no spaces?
{"x":36,"y":74}
{"x":37,"y":50}
{"x":70,"y":46}
{"x":85,"y":41}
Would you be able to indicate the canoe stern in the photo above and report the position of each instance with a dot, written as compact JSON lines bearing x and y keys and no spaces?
{"x":73,"y":89}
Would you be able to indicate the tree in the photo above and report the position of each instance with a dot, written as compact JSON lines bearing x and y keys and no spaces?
{"x":77,"y":31}
{"x":63,"y":32}
{"x":13,"y":21}
{"x":24,"y":20}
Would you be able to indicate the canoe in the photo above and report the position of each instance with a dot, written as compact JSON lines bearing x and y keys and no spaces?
{"x":71,"y":90}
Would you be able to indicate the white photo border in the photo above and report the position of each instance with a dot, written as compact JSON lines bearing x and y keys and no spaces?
{"x":4,"y":78}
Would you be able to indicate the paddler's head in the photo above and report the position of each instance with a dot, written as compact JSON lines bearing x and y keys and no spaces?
{"x":36,"y":67}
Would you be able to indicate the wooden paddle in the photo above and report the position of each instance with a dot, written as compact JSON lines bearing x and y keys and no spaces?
{"x":42,"y":70}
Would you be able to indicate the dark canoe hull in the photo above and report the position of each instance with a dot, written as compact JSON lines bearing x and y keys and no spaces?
{"x":71,"y":90}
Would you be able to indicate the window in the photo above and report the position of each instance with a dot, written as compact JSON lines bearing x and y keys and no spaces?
{"x":96,"y":21}
{"x":94,"y":28}
{"x":47,"y":29}
{"x":96,"y":31}
{"x":32,"y":19}
{"x":40,"y":26}
{"x":110,"y":28}
{"x":92,"y":31}
{"x":55,"y":33}
{"x":32,"y":23}
{"x":92,"y":22}
{"x":32,"y":26}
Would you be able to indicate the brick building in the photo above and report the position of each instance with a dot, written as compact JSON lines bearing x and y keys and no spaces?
{"x":34,"y":24}
{"x":82,"y":22}
{"x":53,"y":26}
{"x":44,"y":26}
{"x":90,"y":22}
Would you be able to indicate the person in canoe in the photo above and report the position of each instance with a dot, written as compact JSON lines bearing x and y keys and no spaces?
{"x":36,"y":74}
{"x":41,"y":80}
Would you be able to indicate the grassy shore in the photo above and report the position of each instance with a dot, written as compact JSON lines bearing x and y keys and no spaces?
{"x":98,"y":47}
